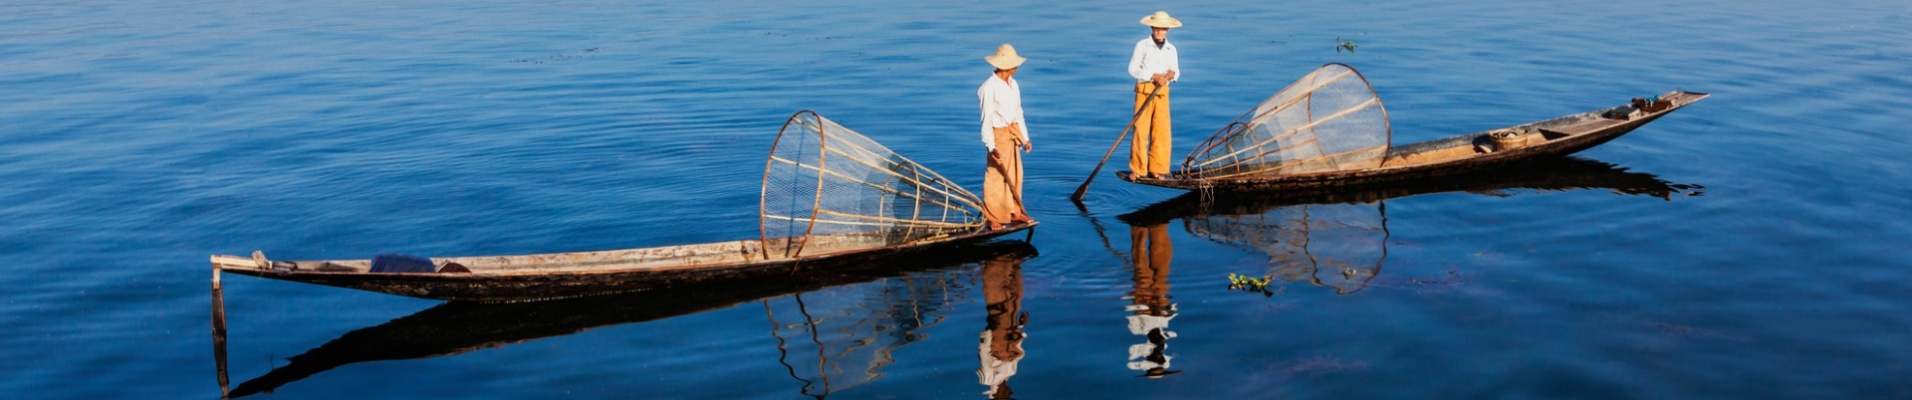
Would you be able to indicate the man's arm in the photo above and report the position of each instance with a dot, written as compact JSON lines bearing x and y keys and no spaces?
{"x":1135,"y":64}
{"x":1174,"y":63}
{"x":988,"y":106}
{"x":1022,"y":129}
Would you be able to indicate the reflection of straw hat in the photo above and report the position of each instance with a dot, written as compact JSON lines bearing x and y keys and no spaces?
{"x":1005,"y":57}
{"x":1161,"y":20}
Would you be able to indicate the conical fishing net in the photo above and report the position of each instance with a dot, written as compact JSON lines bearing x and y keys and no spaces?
{"x":1335,"y":245}
{"x":1330,"y":120}
{"x":828,"y":189}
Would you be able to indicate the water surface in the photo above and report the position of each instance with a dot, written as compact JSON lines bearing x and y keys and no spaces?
{"x":1743,"y":247}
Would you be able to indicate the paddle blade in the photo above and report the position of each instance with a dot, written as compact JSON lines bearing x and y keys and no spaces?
{"x":1082,"y":190}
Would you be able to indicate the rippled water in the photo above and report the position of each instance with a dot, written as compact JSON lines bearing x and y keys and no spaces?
{"x":1742,"y":247}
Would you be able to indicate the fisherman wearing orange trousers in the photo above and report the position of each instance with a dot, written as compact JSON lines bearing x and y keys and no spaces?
{"x":1004,"y":131}
{"x":1154,"y":64}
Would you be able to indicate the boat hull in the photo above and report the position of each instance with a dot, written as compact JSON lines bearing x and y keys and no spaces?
{"x":1394,"y":171}
{"x":532,"y":284}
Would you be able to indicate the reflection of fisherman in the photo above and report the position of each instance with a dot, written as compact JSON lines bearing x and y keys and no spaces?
{"x":1002,"y":335}
{"x":1150,"y":250}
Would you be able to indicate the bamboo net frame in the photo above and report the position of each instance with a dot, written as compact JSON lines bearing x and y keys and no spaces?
{"x":1329,"y":120}
{"x":824,"y":179}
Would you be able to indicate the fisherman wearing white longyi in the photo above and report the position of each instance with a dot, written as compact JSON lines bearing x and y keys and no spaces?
{"x":1003,"y":132}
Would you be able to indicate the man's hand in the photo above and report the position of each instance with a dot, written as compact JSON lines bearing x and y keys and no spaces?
{"x":1159,"y":79}
{"x":1026,"y":146}
{"x":995,"y":156}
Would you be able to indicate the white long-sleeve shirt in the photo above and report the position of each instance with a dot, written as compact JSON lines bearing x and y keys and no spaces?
{"x":1001,"y":105}
{"x":1150,"y":60}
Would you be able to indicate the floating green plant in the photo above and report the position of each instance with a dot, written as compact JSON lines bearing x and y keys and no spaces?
{"x":1249,"y":284}
{"x":1343,"y":44}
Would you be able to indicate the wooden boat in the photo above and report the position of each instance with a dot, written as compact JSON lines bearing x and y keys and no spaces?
{"x":562,"y":275}
{"x":460,"y":327}
{"x":1457,"y":154}
{"x":831,"y":198}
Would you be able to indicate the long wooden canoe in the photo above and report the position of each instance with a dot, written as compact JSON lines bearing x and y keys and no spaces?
{"x":562,"y":275}
{"x":831,"y":197}
{"x":1456,"y":154}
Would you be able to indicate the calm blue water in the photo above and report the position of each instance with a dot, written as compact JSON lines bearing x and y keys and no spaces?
{"x":1763,"y":261}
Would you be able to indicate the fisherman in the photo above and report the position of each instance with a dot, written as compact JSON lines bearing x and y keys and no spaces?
{"x":1003,"y":132}
{"x":1154,"y":64}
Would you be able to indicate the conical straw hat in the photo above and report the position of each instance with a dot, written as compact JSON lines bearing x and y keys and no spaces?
{"x":1005,"y":57}
{"x":1161,"y":20}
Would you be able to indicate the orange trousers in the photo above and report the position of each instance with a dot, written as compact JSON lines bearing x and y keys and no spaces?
{"x":1149,"y":151}
{"x":1002,"y":181}
{"x":1150,"y":252}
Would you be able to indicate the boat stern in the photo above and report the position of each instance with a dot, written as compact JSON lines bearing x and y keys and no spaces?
{"x":239,"y":264}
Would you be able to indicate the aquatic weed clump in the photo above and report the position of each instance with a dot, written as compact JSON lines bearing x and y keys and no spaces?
{"x":1249,"y":284}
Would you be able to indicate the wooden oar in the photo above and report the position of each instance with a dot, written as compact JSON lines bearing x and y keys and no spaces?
{"x":219,"y":333}
{"x":1016,"y":192}
{"x":1084,"y":189}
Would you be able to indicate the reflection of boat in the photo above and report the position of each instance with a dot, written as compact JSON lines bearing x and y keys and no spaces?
{"x":826,"y":203}
{"x":1339,"y":238}
{"x":1329,"y":129}
{"x":458,"y":327}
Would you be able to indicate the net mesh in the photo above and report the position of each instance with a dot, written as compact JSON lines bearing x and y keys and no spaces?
{"x":842,"y":337}
{"x":1329,"y":120}
{"x":1335,"y":245}
{"x":828,"y":189}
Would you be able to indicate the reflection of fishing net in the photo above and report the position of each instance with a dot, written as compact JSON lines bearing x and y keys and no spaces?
{"x":828,"y":189}
{"x":1335,"y":245}
{"x":841,"y":337}
{"x":1330,"y":120}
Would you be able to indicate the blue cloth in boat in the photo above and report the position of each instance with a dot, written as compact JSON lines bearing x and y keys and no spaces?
{"x":394,"y":262}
